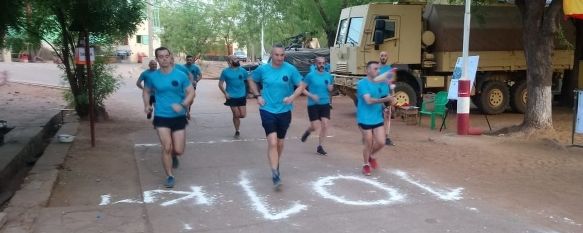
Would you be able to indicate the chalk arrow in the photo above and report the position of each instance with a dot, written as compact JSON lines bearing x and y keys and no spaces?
{"x":196,"y":193}
{"x":447,"y":195}
{"x":260,"y":205}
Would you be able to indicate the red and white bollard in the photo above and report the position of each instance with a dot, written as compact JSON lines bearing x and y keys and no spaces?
{"x":463,"y":107}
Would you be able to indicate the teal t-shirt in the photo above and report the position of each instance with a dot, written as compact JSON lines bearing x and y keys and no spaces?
{"x":235,"y":79}
{"x":169,"y":89}
{"x":370,"y":114}
{"x":278,"y":83}
{"x":145,"y":77}
{"x":317,"y":84}
{"x":385,"y":68}
{"x":194,"y":70}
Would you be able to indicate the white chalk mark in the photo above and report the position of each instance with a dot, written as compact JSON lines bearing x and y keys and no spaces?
{"x":262,"y":207}
{"x":393,"y":194}
{"x":129,"y":201}
{"x":105,"y":199}
{"x":218,"y":141}
{"x":187,"y":227}
{"x":451,"y":195}
{"x":473,"y":209}
{"x":196,"y":193}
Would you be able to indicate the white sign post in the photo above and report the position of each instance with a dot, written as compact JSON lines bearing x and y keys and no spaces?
{"x":577,"y":116}
{"x":457,"y":74}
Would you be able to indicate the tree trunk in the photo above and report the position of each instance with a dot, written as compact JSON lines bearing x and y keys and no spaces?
{"x":539,"y":25}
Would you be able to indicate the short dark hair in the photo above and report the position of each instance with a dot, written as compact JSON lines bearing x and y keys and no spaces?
{"x":371,"y":63}
{"x":161,"y":49}
{"x":188,"y":56}
{"x":277,"y":46}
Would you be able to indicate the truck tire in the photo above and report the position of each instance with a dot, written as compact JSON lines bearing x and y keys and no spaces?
{"x":405,"y":94}
{"x":519,"y":97}
{"x":494,"y":97}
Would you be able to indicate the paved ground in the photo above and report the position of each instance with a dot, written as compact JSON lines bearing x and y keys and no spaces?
{"x":429,"y":182}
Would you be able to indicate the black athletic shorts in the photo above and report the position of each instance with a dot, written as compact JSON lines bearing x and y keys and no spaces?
{"x":236,"y":102}
{"x":319,"y":111}
{"x":152,"y":100}
{"x":369,"y":127}
{"x":174,"y":123}
{"x":275,"y":122}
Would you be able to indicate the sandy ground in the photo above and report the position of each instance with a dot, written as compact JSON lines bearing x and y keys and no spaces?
{"x":22,"y":104}
{"x":531,"y":180}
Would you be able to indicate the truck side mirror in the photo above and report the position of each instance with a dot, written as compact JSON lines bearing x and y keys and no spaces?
{"x":379,"y":24}
{"x":379,"y":38}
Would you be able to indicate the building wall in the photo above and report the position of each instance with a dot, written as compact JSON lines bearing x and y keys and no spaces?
{"x":138,"y":43}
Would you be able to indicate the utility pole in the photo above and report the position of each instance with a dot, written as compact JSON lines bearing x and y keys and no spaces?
{"x":150,"y":30}
{"x":464,"y":88}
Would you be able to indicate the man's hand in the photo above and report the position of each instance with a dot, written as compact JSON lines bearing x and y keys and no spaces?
{"x":177,"y":108}
{"x":288,"y":100}
{"x":260,"y":101}
{"x":148,"y":109}
{"x":391,"y":100}
{"x":315,"y":98}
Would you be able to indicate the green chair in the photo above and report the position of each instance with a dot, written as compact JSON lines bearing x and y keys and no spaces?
{"x":439,"y":108}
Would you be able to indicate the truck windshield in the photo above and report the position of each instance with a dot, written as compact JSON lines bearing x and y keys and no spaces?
{"x":350,"y":31}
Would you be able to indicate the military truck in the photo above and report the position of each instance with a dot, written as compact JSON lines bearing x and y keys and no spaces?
{"x":424,"y":41}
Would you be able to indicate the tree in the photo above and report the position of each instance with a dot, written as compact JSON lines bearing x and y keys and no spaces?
{"x":539,"y":27}
{"x":62,"y":23}
{"x":12,"y":13}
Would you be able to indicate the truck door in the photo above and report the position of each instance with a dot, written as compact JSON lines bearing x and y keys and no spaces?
{"x":390,"y":30}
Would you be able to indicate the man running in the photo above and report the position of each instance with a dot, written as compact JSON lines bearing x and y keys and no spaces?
{"x":278,"y":79}
{"x":235,"y":93}
{"x":384,"y":67}
{"x":174,"y":93}
{"x":145,"y":77}
{"x":184,"y":70}
{"x":319,"y":85}
{"x":193,"y":69}
{"x":369,"y":115}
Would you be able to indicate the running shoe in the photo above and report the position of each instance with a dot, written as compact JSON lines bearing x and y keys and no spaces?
{"x":276,"y":179}
{"x":237,"y":134}
{"x":366,"y":170}
{"x":373,"y":163}
{"x":389,"y":142}
{"x":321,"y":151}
{"x":170,"y":181}
{"x":305,"y":136}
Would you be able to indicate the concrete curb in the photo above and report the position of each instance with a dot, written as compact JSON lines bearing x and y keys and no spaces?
{"x":24,"y":208}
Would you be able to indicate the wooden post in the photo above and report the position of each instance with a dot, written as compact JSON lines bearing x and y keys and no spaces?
{"x":90,"y":89}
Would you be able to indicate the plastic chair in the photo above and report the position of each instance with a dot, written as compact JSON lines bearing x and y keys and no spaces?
{"x":439,"y":109}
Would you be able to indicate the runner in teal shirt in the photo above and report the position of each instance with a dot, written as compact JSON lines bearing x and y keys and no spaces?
{"x":369,"y":115}
{"x":235,"y":93}
{"x":319,"y":85}
{"x":278,"y":79}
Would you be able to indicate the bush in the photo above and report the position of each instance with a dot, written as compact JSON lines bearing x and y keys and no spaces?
{"x":105,"y":84}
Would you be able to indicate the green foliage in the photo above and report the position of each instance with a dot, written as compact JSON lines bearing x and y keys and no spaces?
{"x":105,"y":84}
{"x":62,"y":23}
{"x":12,"y":11}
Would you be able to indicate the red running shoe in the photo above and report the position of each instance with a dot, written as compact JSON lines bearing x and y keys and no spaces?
{"x":373,"y":163}
{"x":366,"y":170}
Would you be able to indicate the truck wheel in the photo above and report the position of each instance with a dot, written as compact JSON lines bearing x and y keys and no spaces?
{"x":494,"y":97}
{"x":519,"y":95}
{"x":405,"y":94}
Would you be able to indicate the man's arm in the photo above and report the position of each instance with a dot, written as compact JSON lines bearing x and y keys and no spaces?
{"x":369,"y":100}
{"x":190,"y":94}
{"x":296,"y":93}
{"x":139,"y":82}
{"x":146,"y":99}
{"x":222,"y":87}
